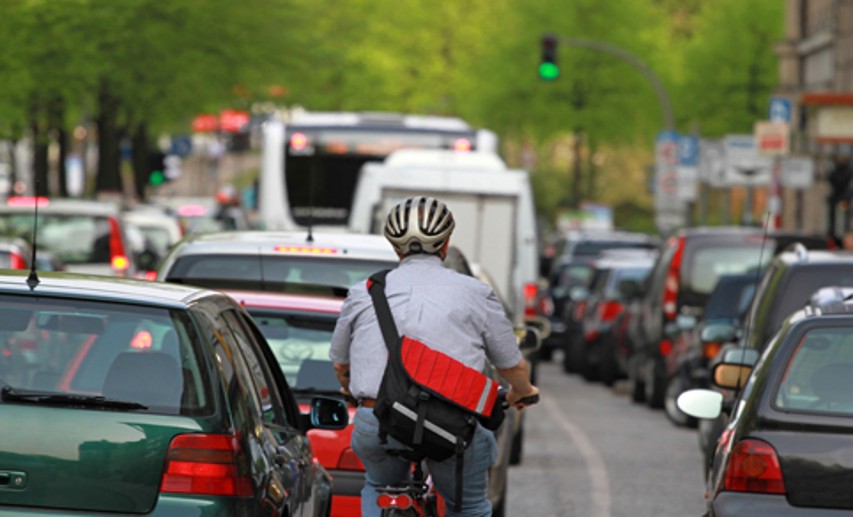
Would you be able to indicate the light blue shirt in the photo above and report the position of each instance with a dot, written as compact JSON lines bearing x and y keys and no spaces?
{"x":450,"y":312}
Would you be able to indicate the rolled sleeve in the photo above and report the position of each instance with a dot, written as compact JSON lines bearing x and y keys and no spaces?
{"x":499,"y":336}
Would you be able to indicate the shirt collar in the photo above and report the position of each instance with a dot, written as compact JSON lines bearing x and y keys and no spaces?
{"x":422,"y":258}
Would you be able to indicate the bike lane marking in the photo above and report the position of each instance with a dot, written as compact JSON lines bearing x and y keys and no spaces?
{"x":600,"y":496}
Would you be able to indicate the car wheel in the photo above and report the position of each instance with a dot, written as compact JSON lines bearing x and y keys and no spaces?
{"x":636,"y":385}
{"x":654,"y":384}
{"x":675,"y":387}
{"x":569,"y":365}
{"x":517,"y":445}
{"x":578,"y":356}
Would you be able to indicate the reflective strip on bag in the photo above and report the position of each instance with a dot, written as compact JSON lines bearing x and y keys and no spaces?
{"x":431,"y":426}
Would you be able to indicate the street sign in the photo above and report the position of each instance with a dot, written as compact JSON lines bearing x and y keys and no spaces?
{"x":688,"y":167}
{"x":744,"y":165}
{"x":780,"y":110}
{"x":712,"y":162}
{"x":798,"y":172}
{"x":668,"y":206}
{"x":772,"y":138}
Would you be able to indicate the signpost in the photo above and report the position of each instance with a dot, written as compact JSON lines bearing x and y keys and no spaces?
{"x":669,"y":209}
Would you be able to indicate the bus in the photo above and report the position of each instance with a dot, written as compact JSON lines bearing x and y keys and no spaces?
{"x":311,"y":160}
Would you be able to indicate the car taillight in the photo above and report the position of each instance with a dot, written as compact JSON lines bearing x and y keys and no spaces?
{"x":16,"y":261}
{"x":118,"y":255}
{"x":580,"y":309}
{"x":665,"y":347}
{"x":349,"y":460}
{"x":205,"y":464}
{"x":151,"y":276}
{"x":398,"y":501}
{"x":671,"y":284}
{"x":607,"y":311}
{"x":754,"y":467}
{"x":530,"y":292}
{"x":546,"y":306}
{"x":710,"y":349}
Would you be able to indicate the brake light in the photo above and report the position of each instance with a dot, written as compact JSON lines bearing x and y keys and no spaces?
{"x":546,"y":306}
{"x":710,"y":349}
{"x":754,"y":467}
{"x":665,"y":347}
{"x":398,"y":501}
{"x":305,"y":249}
{"x":142,"y":340}
{"x":298,"y":141}
{"x":608,"y":310}
{"x":16,"y":261}
{"x":530,"y":292}
{"x":205,"y":464}
{"x":192,"y":211}
{"x":580,"y":309}
{"x":27,"y":201}
{"x":462,"y":144}
{"x":151,"y":276}
{"x":671,"y":285}
{"x":349,"y":460}
{"x":118,"y":256}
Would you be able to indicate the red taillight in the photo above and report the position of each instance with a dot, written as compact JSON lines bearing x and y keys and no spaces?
{"x":665,"y":347}
{"x":462,"y":144}
{"x":671,"y":285}
{"x":27,"y":201}
{"x":530,"y":292}
{"x":399,"y":501}
{"x":151,"y":276}
{"x":205,"y":464}
{"x":118,"y":256}
{"x":546,"y":306}
{"x":349,"y":460}
{"x":607,"y":311}
{"x":298,"y":141}
{"x":16,"y":261}
{"x":754,"y":467}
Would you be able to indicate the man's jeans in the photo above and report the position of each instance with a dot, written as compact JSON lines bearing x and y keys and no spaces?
{"x":385,"y":469}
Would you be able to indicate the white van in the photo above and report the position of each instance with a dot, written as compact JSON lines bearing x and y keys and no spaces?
{"x":493,"y":208}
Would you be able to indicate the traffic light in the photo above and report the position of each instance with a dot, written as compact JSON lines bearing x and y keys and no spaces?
{"x":548,"y":68}
{"x":156,"y":168}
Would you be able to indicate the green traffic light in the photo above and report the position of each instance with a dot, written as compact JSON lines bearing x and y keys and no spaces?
{"x":549,"y":71}
{"x":157,"y":178}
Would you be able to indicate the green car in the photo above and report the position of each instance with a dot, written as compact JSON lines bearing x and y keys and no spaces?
{"x":125,"y":397}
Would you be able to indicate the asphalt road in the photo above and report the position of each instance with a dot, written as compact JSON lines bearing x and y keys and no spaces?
{"x":591,"y":452}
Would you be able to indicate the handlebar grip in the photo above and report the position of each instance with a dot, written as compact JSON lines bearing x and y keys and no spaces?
{"x":532,"y":399}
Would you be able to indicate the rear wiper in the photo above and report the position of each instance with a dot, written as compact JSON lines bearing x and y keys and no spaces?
{"x":10,"y":394}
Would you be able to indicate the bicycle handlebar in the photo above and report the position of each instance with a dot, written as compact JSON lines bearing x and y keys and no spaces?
{"x":529,"y":400}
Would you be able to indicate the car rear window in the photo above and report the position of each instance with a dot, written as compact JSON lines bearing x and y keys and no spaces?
{"x":129,"y":353}
{"x":301,"y":344}
{"x":73,"y":239}
{"x":285,"y":273}
{"x":704,"y":263}
{"x":595,"y":248}
{"x":819,"y":375}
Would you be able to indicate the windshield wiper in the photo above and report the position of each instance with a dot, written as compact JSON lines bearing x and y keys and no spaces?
{"x":10,"y":394}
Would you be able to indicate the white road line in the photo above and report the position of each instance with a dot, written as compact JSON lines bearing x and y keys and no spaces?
{"x":601,"y":497}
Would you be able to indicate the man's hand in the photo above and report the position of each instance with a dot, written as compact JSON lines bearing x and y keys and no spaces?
{"x":342,"y":373}
{"x":513,"y":396}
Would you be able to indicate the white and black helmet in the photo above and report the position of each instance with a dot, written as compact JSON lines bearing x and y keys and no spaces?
{"x":419,"y":225}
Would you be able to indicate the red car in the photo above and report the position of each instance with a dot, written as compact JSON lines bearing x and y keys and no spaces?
{"x":299,"y":330}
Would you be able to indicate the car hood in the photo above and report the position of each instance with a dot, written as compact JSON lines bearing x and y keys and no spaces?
{"x":83,"y":460}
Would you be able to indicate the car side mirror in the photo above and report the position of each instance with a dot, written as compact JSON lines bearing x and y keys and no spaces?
{"x":531,"y":340}
{"x":686,"y":322}
{"x":328,"y":413}
{"x":578,"y":293}
{"x":704,"y":404}
{"x":718,"y":333}
{"x":629,"y":289}
{"x":147,"y":260}
{"x":731,"y":376}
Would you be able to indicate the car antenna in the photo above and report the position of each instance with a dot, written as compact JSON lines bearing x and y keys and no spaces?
{"x":33,"y":278}
{"x":765,"y":232}
{"x":310,"y":237}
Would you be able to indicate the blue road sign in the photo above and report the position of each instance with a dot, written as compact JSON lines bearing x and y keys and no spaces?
{"x":780,"y":110}
{"x":688,"y":151}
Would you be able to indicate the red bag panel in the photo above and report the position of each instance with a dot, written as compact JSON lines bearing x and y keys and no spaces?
{"x":448,"y":377}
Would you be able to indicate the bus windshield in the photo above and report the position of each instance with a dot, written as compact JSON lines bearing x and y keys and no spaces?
{"x":322,"y":164}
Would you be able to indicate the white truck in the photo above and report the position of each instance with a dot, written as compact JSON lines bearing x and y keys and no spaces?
{"x":492,"y":205}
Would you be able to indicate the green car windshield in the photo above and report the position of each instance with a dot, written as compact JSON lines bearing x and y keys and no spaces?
{"x":76,"y":353}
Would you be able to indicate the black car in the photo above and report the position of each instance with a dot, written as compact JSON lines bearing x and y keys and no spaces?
{"x":125,"y":397}
{"x":786,"y":449}
{"x":694,"y":347}
{"x":785,"y":287}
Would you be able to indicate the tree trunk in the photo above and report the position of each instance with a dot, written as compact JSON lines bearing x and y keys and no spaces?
{"x":109,"y":137}
{"x":40,"y":185}
{"x":57,"y":123}
{"x":140,"y":159}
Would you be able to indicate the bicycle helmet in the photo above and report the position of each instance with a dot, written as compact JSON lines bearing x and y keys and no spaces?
{"x":419,"y":225}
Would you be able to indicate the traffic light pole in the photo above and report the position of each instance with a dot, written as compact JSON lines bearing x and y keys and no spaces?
{"x":660,"y":90}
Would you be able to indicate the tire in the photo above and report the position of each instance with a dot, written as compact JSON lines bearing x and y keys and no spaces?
{"x":577,"y":354}
{"x":517,"y":446}
{"x":569,"y":366}
{"x":675,"y":387}
{"x":654,"y":384}
{"x":636,"y":385}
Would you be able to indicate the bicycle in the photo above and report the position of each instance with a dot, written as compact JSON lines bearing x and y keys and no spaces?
{"x":418,"y":497}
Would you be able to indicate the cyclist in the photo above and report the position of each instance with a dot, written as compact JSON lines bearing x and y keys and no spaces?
{"x":452,"y":313}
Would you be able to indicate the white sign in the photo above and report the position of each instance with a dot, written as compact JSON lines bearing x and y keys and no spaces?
{"x":712,"y":162}
{"x":744,"y":165}
{"x":835,"y":122}
{"x":797,"y":172}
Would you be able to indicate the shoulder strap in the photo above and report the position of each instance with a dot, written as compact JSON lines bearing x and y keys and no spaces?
{"x":376,"y":288}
